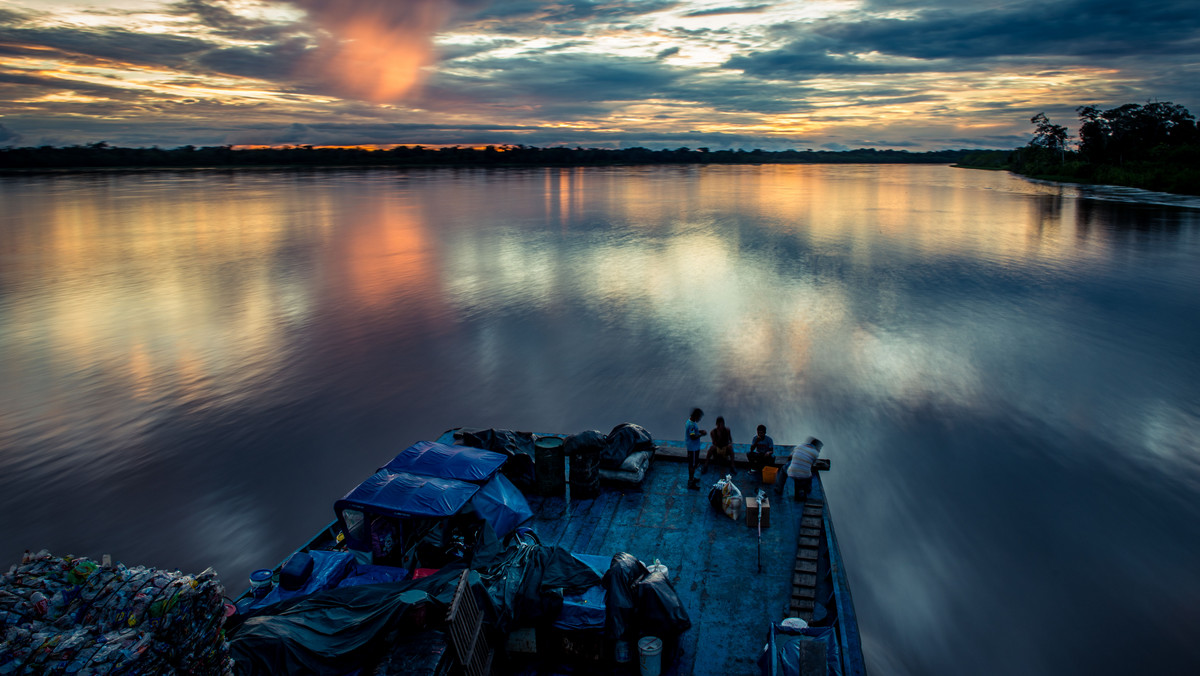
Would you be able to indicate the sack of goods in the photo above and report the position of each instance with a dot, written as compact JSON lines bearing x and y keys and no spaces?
{"x":727,"y":497}
{"x":73,"y":615}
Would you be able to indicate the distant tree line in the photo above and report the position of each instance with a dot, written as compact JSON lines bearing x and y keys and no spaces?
{"x":1155,"y":146}
{"x":102,"y":155}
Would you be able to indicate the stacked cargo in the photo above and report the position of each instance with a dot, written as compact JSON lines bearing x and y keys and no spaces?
{"x":72,"y":615}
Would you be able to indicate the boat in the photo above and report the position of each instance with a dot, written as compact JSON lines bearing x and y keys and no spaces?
{"x":473,"y":526}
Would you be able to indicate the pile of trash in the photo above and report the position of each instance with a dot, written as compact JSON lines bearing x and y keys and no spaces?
{"x":76,"y":616}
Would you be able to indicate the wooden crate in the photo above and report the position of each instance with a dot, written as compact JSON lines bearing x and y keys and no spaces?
{"x":753,"y":510}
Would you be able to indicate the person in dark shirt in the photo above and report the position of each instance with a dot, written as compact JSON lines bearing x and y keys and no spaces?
{"x":762,"y":451}
{"x":722,"y":445}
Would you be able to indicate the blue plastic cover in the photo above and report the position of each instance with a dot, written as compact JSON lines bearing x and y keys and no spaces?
{"x":365,"y":573}
{"x":585,"y":610}
{"x":403,"y":494}
{"x":501,"y":505}
{"x":430,"y":458}
{"x":328,"y":570}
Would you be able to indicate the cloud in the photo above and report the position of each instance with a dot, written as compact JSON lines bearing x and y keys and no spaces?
{"x":968,"y":36}
{"x":375,"y":49}
{"x":8,"y":136}
{"x":719,"y":11}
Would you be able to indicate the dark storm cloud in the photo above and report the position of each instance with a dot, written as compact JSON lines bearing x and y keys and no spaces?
{"x":717,"y":11}
{"x":577,"y":10}
{"x":106,"y":45}
{"x":276,"y":61}
{"x":1078,"y":28}
{"x":576,"y":80}
{"x":578,"y":18}
{"x":216,"y":16}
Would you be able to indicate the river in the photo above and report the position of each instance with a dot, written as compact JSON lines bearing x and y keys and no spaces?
{"x":1006,"y":374}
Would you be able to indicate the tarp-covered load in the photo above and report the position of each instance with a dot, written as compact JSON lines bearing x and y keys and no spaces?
{"x":430,"y":458}
{"x":393,"y":511}
{"x":343,"y":630}
{"x":72,"y":615}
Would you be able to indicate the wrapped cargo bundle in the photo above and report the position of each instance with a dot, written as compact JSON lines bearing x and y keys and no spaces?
{"x":72,"y":615}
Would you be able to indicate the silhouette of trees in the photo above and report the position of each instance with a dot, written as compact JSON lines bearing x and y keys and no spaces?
{"x":1047,"y":135}
{"x":1155,"y":146}
{"x":102,"y":155}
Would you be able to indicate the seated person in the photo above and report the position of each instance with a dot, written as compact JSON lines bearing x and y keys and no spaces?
{"x":762,"y":451}
{"x":722,"y":445}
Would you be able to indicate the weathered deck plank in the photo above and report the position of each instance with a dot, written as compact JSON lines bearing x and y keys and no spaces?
{"x":712,"y":559}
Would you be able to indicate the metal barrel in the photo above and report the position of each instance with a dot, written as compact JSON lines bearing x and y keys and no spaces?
{"x":585,"y":475}
{"x":550,"y":465}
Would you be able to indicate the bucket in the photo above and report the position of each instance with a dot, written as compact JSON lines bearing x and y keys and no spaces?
{"x":769,"y":473}
{"x":260,"y":582}
{"x":650,"y":655}
{"x":550,"y":465}
{"x":623,"y":653}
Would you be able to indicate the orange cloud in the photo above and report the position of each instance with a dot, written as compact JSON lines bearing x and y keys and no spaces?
{"x":375,"y":49}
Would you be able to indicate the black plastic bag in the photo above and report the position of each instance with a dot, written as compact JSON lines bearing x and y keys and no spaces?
{"x":591,"y":442}
{"x":529,"y":582}
{"x":659,"y":610}
{"x":518,"y":446}
{"x":623,"y":440}
{"x":620,"y":609}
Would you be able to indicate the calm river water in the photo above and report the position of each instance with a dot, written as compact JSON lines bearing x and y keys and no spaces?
{"x":195,"y":365}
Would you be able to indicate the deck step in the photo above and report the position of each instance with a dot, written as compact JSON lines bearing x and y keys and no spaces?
{"x":804,"y":580}
{"x":804,"y":593}
{"x":810,"y":522}
{"x":802,"y":605}
{"x":807,"y":554}
{"x":810,"y":532}
{"x":810,"y":542}
{"x":803,"y":566}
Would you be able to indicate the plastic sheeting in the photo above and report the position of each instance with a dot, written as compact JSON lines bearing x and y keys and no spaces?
{"x":620,"y":606}
{"x":624,"y":439}
{"x":404,"y":494}
{"x":430,"y":458}
{"x":518,"y":447}
{"x":659,"y":610}
{"x":585,"y":610}
{"x":328,"y":570}
{"x":529,"y":581}
{"x":341,"y":630}
{"x":782,"y":656}
{"x":366,"y":573}
{"x":501,"y":505}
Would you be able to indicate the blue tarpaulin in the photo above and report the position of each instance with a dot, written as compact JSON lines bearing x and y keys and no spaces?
{"x":501,"y":505}
{"x":403,"y":494}
{"x":430,"y":458}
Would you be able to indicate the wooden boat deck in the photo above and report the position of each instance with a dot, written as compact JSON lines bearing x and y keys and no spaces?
{"x":712,"y":559}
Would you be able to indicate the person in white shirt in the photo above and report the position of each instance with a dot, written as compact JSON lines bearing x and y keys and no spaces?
{"x":799,"y":469}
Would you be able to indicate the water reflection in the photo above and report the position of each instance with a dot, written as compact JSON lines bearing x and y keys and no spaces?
{"x":197,"y":364}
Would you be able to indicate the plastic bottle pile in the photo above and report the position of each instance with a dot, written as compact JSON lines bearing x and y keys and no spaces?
{"x":74,"y":616}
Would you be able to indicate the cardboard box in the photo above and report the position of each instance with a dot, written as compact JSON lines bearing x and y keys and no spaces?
{"x":753,"y":510}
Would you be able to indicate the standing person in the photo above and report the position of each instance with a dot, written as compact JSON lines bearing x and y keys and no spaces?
{"x":722,"y":445}
{"x":691,"y":440}
{"x":799,"y":469}
{"x":762,"y":451}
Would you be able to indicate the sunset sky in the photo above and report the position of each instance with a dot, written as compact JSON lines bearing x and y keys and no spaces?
{"x":821,"y":74}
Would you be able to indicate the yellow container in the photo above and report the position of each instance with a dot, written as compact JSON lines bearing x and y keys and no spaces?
{"x":769,"y":473}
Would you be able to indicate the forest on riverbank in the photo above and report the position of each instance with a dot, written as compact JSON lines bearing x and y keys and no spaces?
{"x":1154,"y":147}
{"x":102,"y":155}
